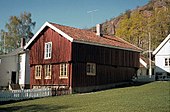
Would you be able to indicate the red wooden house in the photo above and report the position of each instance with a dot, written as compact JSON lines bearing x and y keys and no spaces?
{"x":63,"y":56}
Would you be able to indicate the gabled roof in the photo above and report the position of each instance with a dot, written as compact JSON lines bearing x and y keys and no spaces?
{"x":161,"y":45}
{"x":86,"y":37}
{"x":13,"y":53}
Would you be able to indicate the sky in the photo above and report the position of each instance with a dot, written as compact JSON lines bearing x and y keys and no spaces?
{"x":75,"y":13}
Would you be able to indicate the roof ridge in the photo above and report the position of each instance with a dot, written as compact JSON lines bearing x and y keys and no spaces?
{"x":71,"y":27}
{"x":87,"y":37}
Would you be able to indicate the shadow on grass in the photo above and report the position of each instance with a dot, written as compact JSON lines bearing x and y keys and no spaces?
{"x":124,"y":85}
{"x":14,"y":101}
{"x":33,"y":108}
{"x":132,"y":83}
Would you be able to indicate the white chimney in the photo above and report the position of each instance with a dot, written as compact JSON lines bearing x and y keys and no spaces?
{"x":22,"y":42}
{"x":98,"y":30}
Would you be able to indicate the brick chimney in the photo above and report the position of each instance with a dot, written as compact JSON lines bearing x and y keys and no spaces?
{"x":98,"y":30}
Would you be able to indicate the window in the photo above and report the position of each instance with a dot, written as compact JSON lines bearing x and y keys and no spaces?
{"x":91,"y":69}
{"x":63,"y":70}
{"x":167,"y":61}
{"x":48,"y":70}
{"x":38,"y":69}
{"x":48,"y":50}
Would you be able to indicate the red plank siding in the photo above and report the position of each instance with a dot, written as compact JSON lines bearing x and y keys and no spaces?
{"x":112,"y":65}
{"x":104,"y":55}
{"x":104,"y":75}
{"x":61,"y":48}
{"x":61,"y":52}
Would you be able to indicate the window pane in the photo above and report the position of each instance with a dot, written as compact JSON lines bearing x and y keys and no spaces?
{"x":63,"y":70}
{"x":49,"y":71}
{"x":48,"y":50}
{"x":88,"y":68}
{"x":46,"y":70}
{"x":166,"y":62}
{"x":38,"y":71}
{"x":91,"y":69}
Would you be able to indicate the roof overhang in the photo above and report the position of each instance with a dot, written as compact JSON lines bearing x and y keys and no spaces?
{"x":108,"y":46}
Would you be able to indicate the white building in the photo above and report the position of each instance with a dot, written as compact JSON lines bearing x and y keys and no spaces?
{"x":24,"y":70}
{"x":8,"y":69}
{"x":144,"y":67}
{"x":15,"y":70}
{"x":162,"y":59}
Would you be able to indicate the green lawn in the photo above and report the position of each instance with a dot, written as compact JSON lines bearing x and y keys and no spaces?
{"x":152,"y":97}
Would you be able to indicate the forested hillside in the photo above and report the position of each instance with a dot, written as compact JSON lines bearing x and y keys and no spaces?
{"x":135,"y":25}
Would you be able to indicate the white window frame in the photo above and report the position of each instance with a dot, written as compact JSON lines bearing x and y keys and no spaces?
{"x":48,"y":71}
{"x":91,"y":69}
{"x":63,"y":70}
{"x":48,"y":50}
{"x":38,"y":69}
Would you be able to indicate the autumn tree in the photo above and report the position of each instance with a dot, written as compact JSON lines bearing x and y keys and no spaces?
{"x":18,"y":27}
{"x":136,"y":27}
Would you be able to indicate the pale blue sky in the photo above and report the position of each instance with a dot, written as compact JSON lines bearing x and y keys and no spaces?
{"x":66,"y":12}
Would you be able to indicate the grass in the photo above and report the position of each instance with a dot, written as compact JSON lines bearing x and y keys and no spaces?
{"x":151,"y":97}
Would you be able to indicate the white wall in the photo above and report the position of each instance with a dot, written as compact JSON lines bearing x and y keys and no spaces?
{"x":160,"y":58}
{"x":24,"y":71}
{"x":7,"y":65}
{"x":22,"y":59}
{"x":160,"y":64}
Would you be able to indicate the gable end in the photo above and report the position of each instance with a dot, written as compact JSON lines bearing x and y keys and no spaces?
{"x":161,"y":45}
{"x":47,"y":24}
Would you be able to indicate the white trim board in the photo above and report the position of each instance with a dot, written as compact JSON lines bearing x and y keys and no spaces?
{"x":143,"y":62}
{"x":161,"y":45}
